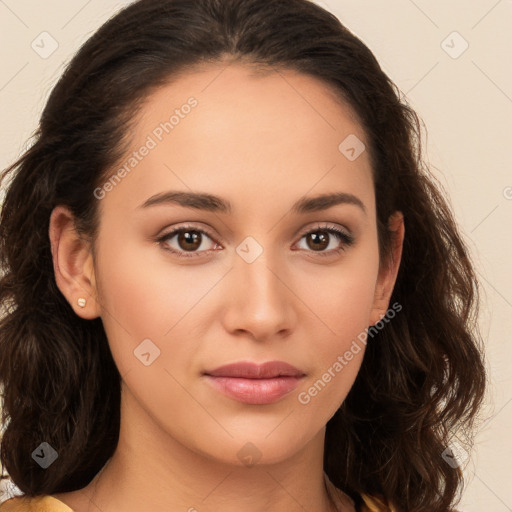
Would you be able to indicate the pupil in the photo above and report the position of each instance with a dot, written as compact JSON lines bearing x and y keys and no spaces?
{"x":190,"y":238}
{"x":322,"y":238}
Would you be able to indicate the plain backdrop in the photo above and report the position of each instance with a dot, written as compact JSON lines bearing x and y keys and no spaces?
{"x":453,"y":62}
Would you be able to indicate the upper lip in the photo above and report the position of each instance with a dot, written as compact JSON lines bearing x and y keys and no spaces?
{"x":249,"y":370}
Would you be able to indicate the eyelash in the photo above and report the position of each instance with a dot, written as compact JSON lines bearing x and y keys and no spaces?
{"x":344,"y":237}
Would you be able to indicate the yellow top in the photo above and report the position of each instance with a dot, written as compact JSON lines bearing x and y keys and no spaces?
{"x":51,"y":504}
{"x":38,"y":504}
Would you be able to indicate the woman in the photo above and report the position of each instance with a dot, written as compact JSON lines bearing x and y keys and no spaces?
{"x":230,"y":283}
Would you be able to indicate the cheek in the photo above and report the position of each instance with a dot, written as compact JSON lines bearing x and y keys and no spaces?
{"x":145,"y":295}
{"x":341,"y":296}
{"x":142,"y":288}
{"x":127,"y":291}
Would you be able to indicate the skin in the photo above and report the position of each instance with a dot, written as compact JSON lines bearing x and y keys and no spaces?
{"x":262,"y":142}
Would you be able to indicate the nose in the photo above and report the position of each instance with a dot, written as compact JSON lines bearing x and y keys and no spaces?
{"x":261,"y":300}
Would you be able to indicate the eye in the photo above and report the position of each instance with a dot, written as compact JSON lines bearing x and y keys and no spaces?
{"x":321,"y":237}
{"x":189,"y":240}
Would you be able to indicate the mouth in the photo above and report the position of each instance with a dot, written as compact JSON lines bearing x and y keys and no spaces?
{"x":256,"y":384}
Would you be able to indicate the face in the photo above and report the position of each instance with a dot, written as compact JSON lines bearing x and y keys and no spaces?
{"x":253,"y":276}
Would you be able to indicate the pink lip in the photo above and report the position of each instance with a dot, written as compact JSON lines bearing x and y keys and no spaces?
{"x":252,"y":383}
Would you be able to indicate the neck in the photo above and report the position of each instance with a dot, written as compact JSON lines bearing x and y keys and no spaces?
{"x":151,"y":470}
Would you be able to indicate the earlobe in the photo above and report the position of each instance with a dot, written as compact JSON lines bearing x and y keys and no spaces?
{"x":73,"y":264}
{"x":387,"y":274}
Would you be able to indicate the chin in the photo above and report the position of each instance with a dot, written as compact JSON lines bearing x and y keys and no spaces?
{"x":255,"y":448}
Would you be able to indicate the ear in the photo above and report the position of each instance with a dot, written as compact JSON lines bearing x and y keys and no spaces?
{"x":73,"y":263}
{"x":388,"y":272}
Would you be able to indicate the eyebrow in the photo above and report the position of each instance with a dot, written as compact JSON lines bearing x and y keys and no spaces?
{"x":211,"y":203}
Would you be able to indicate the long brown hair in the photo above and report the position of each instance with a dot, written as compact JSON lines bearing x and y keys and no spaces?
{"x":423,"y":375}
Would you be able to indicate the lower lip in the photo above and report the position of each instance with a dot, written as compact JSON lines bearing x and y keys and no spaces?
{"x":255,"y":391}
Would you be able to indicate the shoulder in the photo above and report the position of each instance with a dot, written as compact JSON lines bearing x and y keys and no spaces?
{"x":375,"y":504}
{"x":379,"y":504}
{"x":36,"y":504}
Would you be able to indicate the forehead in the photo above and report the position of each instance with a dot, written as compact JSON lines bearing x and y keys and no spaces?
{"x":234,"y":131}
{"x":268,"y":95}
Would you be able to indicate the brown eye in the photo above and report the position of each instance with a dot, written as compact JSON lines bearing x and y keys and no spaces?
{"x":319,"y":239}
{"x":316,"y":241}
{"x":189,"y":240}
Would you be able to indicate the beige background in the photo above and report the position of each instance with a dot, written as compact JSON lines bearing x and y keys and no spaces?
{"x":464,"y":98}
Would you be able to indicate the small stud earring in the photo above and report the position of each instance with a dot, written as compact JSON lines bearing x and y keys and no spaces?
{"x":81,"y":302}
